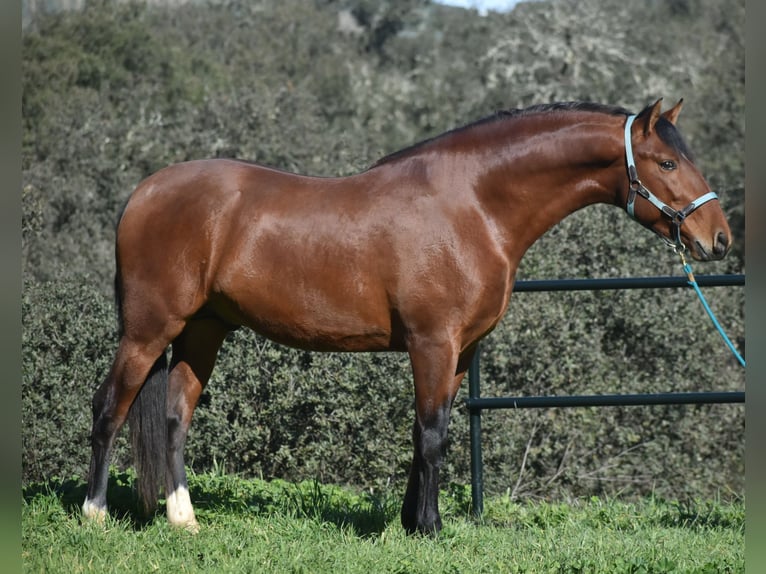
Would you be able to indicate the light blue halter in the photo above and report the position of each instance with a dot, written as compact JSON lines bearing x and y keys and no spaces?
{"x":676,"y":217}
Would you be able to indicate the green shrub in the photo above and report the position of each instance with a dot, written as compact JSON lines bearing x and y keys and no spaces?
{"x":68,"y":336}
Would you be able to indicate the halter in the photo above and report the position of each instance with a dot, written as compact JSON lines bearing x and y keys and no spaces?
{"x":676,"y":217}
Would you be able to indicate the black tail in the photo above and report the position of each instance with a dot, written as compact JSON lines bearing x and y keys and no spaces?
{"x":148,"y":434}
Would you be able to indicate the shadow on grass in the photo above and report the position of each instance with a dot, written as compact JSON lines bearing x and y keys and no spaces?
{"x":362,"y":514}
{"x":121,"y":497}
{"x":216,"y":496}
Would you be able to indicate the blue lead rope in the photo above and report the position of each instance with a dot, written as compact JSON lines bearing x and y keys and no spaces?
{"x":693,"y":283}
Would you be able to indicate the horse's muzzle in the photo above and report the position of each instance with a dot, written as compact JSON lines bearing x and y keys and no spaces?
{"x":718,"y":248}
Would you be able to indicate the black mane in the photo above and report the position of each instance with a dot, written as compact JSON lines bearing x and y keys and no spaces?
{"x":515,"y":112}
{"x":666,"y":131}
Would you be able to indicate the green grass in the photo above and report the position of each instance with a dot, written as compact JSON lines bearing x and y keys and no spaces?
{"x":258,"y":526}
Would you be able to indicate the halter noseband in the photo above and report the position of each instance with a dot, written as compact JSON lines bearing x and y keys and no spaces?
{"x":676,"y":217}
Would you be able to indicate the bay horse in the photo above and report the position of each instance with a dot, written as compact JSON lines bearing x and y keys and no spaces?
{"x":416,"y":254}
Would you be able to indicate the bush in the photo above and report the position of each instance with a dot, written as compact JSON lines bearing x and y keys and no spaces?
{"x":68,"y":336}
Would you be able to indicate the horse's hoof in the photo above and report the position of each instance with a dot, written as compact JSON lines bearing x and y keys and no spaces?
{"x":93,"y":513}
{"x":180,"y":511}
{"x":190,"y":527}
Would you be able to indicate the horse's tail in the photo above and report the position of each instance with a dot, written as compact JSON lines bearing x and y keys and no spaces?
{"x":148,"y":434}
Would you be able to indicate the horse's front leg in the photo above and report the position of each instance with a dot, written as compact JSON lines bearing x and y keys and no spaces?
{"x":437,"y":379}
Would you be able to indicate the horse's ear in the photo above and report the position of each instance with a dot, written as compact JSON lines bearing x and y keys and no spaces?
{"x":672,"y":114}
{"x":652,"y":117}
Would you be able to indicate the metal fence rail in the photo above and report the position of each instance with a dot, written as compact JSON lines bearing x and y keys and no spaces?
{"x":476,"y":403}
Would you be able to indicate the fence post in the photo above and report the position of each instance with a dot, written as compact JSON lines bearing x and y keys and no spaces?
{"x":477,"y":470}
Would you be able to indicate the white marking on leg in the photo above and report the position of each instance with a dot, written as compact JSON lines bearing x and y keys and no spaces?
{"x":91,"y":511}
{"x":180,"y":511}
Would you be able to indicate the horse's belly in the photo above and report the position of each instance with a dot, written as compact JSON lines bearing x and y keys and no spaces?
{"x":313,"y":320}
{"x":326,"y":339}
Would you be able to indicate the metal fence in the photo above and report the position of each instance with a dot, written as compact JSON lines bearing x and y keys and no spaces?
{"x":476,"y":403}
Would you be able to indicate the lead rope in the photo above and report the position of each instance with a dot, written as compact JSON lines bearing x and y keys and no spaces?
{"x":693,"y":283}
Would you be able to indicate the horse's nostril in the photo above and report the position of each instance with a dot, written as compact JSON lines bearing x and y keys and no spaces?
{"x":721,"y":244}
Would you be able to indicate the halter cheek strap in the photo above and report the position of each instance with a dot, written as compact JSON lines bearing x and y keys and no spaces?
{"x":676,"y":217}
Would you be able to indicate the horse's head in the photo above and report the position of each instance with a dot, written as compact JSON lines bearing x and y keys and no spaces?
{"x":667,"y":192}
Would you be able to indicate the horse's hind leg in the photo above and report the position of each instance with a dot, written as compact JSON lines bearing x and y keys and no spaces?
{"x":194,"y":354}
{"x":111,"y":404}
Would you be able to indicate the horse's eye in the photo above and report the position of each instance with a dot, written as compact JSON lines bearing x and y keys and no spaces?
{"x":668,"y":165}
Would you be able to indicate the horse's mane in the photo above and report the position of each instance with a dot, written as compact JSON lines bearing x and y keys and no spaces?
{"x":665,"y":130}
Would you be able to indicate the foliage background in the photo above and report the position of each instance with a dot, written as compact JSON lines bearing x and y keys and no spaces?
{"x":115,"y":91}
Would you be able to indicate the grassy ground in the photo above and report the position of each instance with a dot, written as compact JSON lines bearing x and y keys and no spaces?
{"x":257,"y":526}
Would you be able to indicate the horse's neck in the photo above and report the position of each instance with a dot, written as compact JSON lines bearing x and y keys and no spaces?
{"x":535,"y":182}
